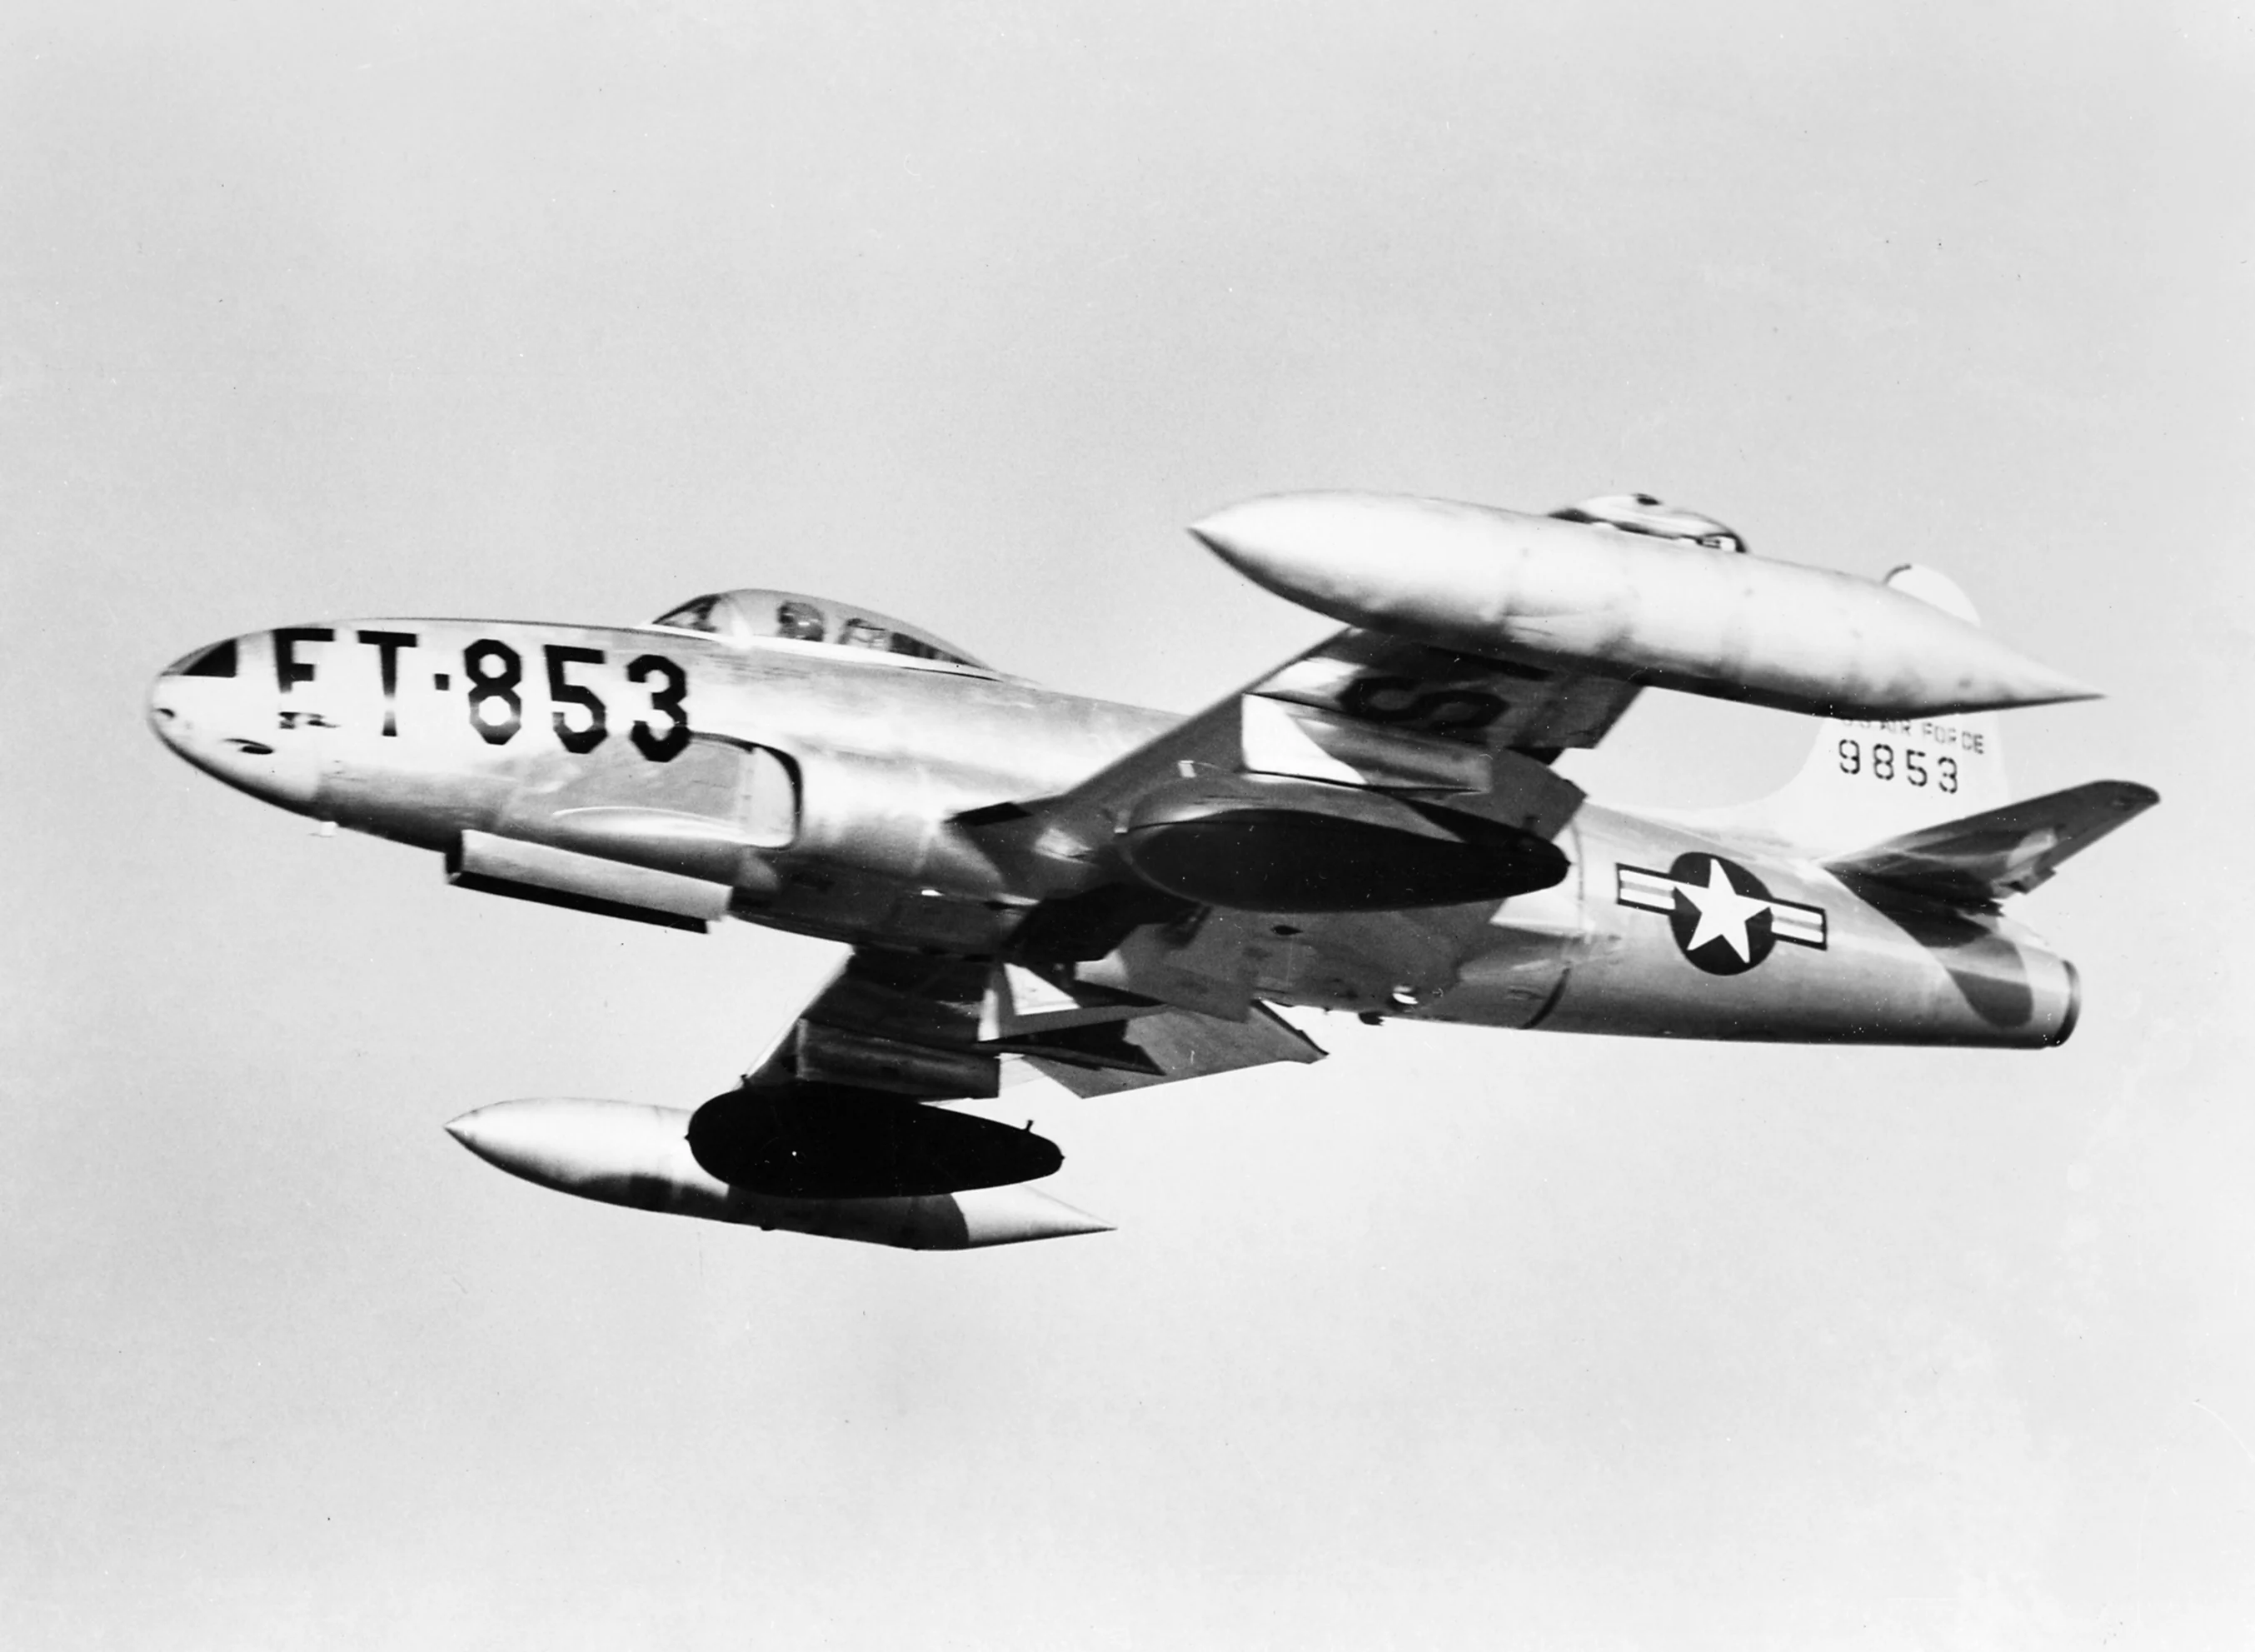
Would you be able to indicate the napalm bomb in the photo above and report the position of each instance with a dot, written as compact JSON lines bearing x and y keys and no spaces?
{"x":1031,"y":882}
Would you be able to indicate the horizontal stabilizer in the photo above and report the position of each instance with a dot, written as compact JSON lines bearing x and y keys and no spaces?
{"x":1985,"y":857}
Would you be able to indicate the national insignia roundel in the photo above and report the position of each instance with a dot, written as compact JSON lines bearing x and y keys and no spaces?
{"x":1724,"y":919}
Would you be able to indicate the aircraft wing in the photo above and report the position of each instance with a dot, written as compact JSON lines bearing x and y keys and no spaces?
{"x":1404,"y":689}
{"x":1984,"y":858}
{"x":935,"y":1028}
{"x":1386,"y":717}
{"x":1360,"y":708}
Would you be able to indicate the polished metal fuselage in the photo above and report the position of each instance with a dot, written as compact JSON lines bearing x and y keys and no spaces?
{"x":828,"y":790}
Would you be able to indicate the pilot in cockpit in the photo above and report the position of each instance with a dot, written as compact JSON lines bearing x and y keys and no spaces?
{"x":798,"y":621}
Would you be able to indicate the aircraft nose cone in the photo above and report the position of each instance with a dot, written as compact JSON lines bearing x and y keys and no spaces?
{"x":188,"y":698}
{"x":221,"y":717}
{"x":164,"y":712}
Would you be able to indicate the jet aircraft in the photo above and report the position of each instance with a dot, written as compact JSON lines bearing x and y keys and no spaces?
{"x":1111,"y":898}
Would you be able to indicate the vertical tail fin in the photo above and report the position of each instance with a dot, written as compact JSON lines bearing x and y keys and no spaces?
{"x":1865,"y":782}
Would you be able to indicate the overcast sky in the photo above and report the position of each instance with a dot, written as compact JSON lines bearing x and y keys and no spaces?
{"x":1460,"y":1339}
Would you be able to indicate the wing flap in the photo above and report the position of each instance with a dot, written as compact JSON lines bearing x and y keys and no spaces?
{"x":932,"y":1029}
{"x":1178,"y":1044}
{"x":1984,"y":858}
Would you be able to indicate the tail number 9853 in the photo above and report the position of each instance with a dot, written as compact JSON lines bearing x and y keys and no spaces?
{"x":1908,"y":764}
{"x":581,"y":720}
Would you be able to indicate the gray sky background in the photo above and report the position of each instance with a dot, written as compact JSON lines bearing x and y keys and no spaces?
{"x":1460,"y":1339}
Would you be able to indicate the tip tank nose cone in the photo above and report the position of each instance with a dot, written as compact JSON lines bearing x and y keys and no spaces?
{"x":542,"y":1139}
{"x":486,"y":1132}
{"x":1262,"y":539}
{"x":1344,"y":554}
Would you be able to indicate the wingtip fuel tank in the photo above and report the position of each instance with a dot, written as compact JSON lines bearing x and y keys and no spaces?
{"x":1673,"y":614}
{"x":638,"y":1156}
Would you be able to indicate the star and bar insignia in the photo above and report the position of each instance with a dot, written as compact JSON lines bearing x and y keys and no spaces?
{"x":1724,"y":920}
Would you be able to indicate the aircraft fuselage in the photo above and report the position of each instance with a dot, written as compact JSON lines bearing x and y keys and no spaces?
{"x":804,"y":788}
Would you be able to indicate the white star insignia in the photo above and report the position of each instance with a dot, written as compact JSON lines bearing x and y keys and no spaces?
{"x":1723,"y":913}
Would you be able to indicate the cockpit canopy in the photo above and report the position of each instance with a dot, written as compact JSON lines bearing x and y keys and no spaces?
{"x":743,"y":616}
